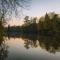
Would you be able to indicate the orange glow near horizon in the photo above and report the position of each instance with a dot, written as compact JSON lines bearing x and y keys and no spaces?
{"x":15,"y":22}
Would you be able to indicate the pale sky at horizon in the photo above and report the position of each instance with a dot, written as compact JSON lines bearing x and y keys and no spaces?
{"x":39,"y":8}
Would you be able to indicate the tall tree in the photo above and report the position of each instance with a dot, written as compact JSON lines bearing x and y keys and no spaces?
{"x":9,"y":7}
{"x":47,"y":22}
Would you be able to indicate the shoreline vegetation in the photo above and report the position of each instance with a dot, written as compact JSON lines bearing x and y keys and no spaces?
{"x":46,"y":32}
{"x":47,"y":25}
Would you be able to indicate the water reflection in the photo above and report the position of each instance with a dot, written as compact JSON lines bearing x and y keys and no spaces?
{"x":49,"y":43}
{"x":3,"y":49}
{"x":25,"y":46}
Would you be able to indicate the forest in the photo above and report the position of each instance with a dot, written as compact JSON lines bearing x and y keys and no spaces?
{"x":47,"y":25}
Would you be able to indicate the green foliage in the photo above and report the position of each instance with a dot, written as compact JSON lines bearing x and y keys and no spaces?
{"x":30,"y":25}
{"x":50,"y":24}
{"x":45,"y":26}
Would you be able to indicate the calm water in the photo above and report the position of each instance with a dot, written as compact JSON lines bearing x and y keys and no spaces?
{"x":30,"y":48}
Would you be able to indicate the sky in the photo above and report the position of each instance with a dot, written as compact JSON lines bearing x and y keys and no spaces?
{"x":39,"y":8}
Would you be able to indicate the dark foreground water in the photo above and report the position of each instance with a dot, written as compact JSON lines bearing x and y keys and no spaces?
{"x":30,"y":48}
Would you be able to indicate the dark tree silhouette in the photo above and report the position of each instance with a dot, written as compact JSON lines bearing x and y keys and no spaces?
{"x":8,"y":7}
{"x":3,"y":49}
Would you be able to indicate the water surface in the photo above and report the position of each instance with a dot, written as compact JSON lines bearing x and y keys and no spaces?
{"x":30,"y":48}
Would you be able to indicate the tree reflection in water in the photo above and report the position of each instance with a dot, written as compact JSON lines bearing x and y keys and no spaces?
{"x":30,"y":41}
{"x":49,"y":43}
{"x":3,"y":49}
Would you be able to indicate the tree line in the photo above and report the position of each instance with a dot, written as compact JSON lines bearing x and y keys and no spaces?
{"x":48,"y":25}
